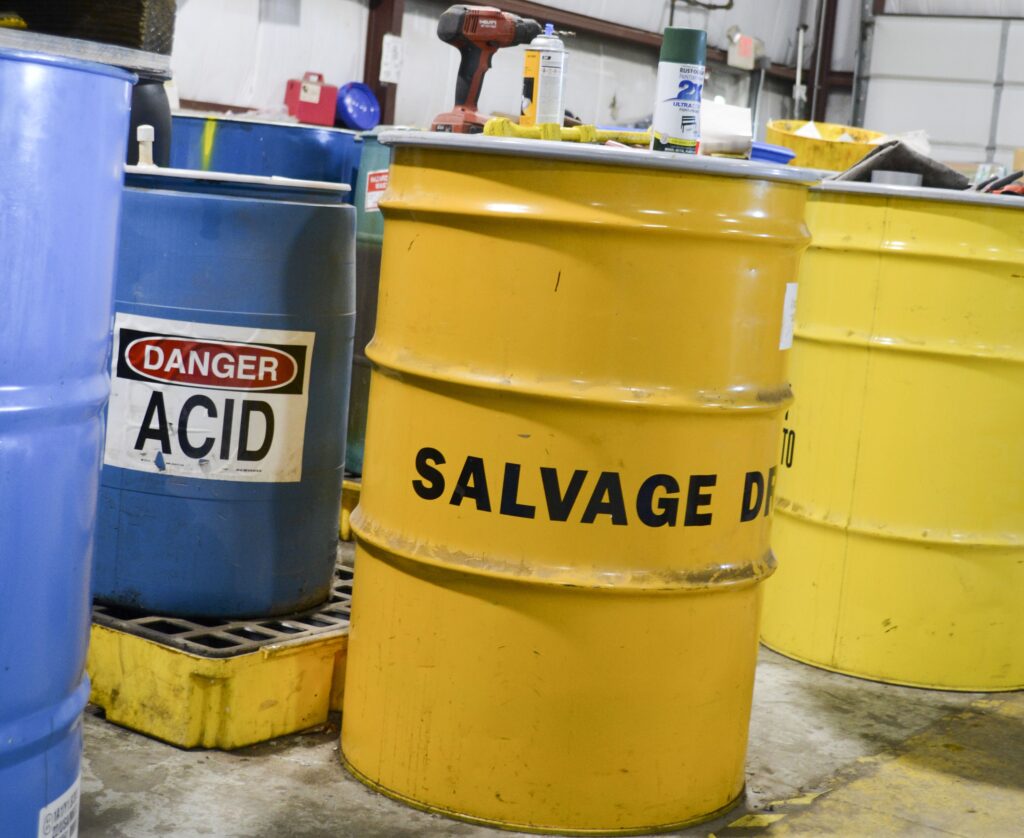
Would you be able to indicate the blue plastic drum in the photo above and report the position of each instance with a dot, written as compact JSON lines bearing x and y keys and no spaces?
{"x":230,"y":380}
{"x":249,"y":147}
{"x":63,"y":126}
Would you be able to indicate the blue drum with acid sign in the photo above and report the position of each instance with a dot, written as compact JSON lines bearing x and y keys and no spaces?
{"x":63,"y":125}
{"x":230,"y":380}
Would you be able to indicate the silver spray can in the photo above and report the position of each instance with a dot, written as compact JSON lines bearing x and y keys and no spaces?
{"x":543,"y":80}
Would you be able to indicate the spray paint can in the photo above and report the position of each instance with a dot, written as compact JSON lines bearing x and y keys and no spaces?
{"x":676,"y":125}
{"x":543,"y":80}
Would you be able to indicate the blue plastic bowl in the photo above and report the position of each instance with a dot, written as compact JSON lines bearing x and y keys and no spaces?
{"x":768,"y":153}
{"x":358,"y":108}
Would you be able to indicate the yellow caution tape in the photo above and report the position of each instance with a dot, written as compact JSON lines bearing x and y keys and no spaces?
{"x":503,"y":127}
{"x":9,"y":20}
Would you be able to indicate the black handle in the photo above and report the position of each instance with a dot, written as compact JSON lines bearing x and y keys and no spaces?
{"x":475,"y":61}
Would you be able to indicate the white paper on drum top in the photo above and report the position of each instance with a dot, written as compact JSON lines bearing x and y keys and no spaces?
{"x":59,"y":818}
{"x":201,"y":400}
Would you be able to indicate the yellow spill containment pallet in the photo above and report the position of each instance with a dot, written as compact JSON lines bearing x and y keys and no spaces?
{"x":350,"y":489}
{"x":221,"y":684}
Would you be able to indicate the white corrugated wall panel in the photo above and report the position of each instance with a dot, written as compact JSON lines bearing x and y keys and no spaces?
{"x":943,"y":48}
{"x":215,"y":50}
{"x":847,"y":40}
{"x":976,"y":8}
{"x":242,"y":52}
{"x":1010,"y":131}
{"x":948,"y":153}
{"x":626,"y":90}
{"x":936,"y":74}
{"x":330,"y":38}
{"x":840,"y":107}
{"x":651,"y":15}
{"x":773,"y":21}
{"x":950,"y":111}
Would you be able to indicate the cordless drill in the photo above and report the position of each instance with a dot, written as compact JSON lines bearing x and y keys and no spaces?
{"x":477,"y":32}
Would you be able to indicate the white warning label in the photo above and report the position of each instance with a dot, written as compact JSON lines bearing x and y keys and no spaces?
{"x":376,"y":185}
{"x":309,"y":92}
{"x":208,"y":401}
{"x":59,"y":819}
{"x":788,"y":316}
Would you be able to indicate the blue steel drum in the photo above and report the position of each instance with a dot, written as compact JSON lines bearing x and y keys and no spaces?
{"x":230,"y":378}
{"x":248,"y":147}
{"x":63,"y":127}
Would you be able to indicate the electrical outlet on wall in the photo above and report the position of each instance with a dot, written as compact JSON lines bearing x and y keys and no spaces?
{"x":391,"y":54}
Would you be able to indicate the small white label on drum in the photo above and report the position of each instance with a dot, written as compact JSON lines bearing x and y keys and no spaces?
{"x":59,"y":819}
{"x":208,"y":401}
{"x":788,"y":316}
{"x":376,"y":184}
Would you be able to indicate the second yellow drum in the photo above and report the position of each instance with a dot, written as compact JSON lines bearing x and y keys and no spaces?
{"x":900,"y":526}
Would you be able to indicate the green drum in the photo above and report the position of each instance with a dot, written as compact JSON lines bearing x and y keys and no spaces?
{"x":370,"y":185}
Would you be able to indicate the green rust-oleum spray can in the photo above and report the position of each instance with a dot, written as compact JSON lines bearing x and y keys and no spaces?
{"x":676,"y":125}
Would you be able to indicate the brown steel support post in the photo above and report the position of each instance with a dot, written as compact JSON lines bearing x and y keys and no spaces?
{"x":385,"y":18}
{"x":823,"y":61}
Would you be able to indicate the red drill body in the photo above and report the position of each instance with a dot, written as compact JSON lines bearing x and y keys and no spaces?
{"x":477,"y":32}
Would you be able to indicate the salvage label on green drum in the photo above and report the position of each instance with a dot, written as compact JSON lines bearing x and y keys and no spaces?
{"x":208,"y":401}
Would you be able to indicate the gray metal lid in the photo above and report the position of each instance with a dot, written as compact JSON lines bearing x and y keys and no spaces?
{"x":10,"y":54}
{"x":919,"y":193}
{"x":86,"y":55}
{"x":599,"y":154}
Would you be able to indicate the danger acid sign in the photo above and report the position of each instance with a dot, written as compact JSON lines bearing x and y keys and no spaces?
{"x":208,"y":401}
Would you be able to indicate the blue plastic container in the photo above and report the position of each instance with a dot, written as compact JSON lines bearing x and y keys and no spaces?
{"x":226,"y":427}
{"x":248,"y":147}
{"x":769,"y":153}
{"x":357,"y":107}
{"x":63,"y":127}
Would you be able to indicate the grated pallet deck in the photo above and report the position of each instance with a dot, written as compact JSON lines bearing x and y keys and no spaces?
{"x":200,"y":683}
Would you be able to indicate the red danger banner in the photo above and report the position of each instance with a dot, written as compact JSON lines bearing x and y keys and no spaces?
{"x":232,"y":366}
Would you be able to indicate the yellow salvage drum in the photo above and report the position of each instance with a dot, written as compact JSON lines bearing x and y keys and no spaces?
{"x":578,"y":387}
{"x":900,"y":533}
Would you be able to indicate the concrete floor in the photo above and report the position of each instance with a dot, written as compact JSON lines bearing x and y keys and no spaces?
{"x":829,"y":755}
